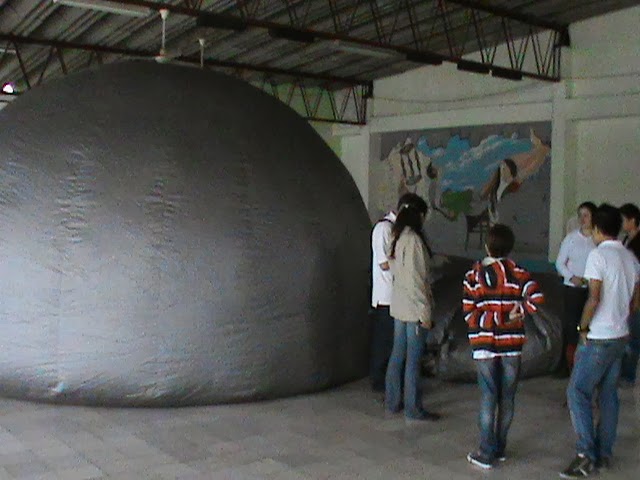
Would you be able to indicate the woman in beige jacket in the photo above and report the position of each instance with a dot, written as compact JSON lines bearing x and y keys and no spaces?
{"x":411,"y":307}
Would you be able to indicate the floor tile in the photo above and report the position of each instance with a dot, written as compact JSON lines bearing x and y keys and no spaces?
{"x":341,"y":434}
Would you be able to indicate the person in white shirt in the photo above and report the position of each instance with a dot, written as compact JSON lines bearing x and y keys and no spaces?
{"x":573,"y":223}
{"x":613,"y":274}
{"x":381,"y":285}
{"x":570,"y":264}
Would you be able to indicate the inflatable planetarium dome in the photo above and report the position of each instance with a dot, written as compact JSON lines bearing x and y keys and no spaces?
{"x":171,"y":236}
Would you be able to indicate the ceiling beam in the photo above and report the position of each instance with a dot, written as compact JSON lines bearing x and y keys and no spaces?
{"x":235,"y":22}
{"x":503,"y":12}
{"x":45,"y":42}
{"x":338,"y":80}
{"x":333,"y":100}
{"x":497,"y":11}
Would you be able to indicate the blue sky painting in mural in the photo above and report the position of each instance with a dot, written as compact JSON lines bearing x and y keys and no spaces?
{"x":464,"y":166}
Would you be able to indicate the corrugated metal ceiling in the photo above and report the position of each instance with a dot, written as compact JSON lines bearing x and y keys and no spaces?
{"x":436,"y":23}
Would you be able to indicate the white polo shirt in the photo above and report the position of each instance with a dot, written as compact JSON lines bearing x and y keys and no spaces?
{"x":619,"y":271}
{"x":382,"y":280}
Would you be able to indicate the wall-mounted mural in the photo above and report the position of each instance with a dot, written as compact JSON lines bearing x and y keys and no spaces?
{"x":472,"y":177}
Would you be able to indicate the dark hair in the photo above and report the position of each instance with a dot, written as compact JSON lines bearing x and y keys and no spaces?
{"x":629,"y":210}
{"x":411,"y":199}
{"x":589,"y":206}
{"x":500,"y":240}
{"x":411,"y":207}
{"x":513,"y":168}
{"x":608,"y":220}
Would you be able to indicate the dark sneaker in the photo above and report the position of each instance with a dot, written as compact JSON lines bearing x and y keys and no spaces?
{"x":501,"y":457}
{"x":431,"y":416}
{"x":392,"y":410}
{"x":425,"y":417}
{"x":479,"y":460}
{"x":421,"y":414}
{"x":581,"y":467}
{"x":605,"y":463}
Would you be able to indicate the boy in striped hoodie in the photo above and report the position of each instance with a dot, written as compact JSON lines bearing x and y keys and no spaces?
{"x":497,"y":295}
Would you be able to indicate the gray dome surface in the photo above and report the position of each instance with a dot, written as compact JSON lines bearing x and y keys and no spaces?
{"x":171,"y":236}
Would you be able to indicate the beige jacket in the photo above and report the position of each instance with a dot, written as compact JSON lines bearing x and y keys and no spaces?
{"x":411,"y":297}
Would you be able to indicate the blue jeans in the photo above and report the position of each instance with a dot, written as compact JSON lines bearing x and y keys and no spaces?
{"x":498,"y":382}
{"x":632,"y":352}
{"x":404,"y":365}
{"x":381,"y":344}
{"x":597,"y":366}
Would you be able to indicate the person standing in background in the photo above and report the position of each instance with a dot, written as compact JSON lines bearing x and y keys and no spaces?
{"x":381,"y":284}
{"x":572,"y":258}
{"x":614,"y":290}
{"x":631,"y":227}
{"x":496,"y":295}
{"x":411,"y":307}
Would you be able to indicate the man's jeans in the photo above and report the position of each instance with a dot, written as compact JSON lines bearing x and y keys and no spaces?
{"x":498,"y":382}
{"x":632,"y":352}
{"x":381,"y":344}
{"x":597,"y":366}
{"x":408,"y":345}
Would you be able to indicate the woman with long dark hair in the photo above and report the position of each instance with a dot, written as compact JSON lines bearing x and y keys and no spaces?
{"x":411,"y":307}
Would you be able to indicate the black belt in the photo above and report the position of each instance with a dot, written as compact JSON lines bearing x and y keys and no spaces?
{"x":606,"y":340}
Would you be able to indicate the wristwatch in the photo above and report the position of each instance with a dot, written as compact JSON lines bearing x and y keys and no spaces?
{"x":582,"y":330}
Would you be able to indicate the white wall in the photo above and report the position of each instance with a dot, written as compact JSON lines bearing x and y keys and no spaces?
{"x":354,"y":150}
{"x":595,"y":113}
{"x":605,"y":127}
{"x":608,"y":163}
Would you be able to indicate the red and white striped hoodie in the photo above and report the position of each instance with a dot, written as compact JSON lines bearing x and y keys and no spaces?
{"x":492,"y":288}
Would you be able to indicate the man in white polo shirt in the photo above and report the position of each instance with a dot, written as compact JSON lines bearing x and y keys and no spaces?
{"x":381,"y":284}
{"x":614,"y":290}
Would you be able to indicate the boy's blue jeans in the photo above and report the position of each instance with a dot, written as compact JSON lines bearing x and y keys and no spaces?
{"x":597,"y":365}
{"x":498,"y":382}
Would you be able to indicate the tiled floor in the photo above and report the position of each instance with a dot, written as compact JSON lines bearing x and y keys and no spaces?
{"x":341,"y":434}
